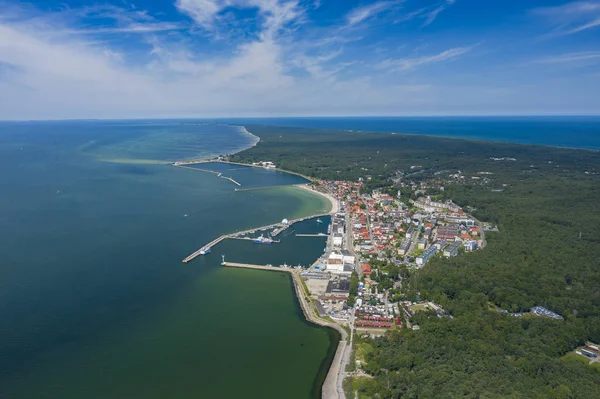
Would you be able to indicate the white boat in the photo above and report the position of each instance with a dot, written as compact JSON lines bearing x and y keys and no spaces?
{"x":319,"y":221}
{"x":263,"y":240}
{"x":205,"y":251}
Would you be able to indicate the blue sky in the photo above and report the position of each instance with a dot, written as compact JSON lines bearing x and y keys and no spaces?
{"x":219,"y":58}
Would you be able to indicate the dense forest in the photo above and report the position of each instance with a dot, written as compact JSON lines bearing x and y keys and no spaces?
{"x":546,"y":203}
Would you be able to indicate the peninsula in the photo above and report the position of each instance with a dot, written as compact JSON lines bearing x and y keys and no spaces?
{"x":465,"y":252}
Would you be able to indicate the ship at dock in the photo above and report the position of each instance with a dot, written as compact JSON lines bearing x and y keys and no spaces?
{"x":263,"y":240}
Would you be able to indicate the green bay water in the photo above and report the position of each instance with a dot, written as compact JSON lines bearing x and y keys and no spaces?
{"x":94,"y":299}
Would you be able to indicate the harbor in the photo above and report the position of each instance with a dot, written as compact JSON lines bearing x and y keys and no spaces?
{"x":276,"y":229}
{"x":332,"y":385}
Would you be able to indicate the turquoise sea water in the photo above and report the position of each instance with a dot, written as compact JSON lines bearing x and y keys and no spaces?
{"x":94,"y":299}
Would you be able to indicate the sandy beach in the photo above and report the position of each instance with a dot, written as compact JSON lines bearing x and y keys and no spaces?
{"x":335,"y":204}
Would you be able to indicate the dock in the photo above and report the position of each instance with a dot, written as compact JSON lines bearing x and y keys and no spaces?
{"x":331,"y":387}
{"x":204,"y":248}
{"x":278,"y":231}
{"x":231,"y":180}
{"x":257,"y":267}
{"x":219,"y":174}
{"x":279,"y":227}
{"x":249,"y":239}
{"x":311,"y":235}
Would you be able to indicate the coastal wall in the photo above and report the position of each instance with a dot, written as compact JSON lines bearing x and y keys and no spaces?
{"x":329,"y":389}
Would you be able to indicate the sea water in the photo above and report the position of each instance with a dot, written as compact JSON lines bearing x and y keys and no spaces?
{"x":94,"y":299}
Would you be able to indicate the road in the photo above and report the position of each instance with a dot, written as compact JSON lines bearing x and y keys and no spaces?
{"x":349,"y":243}
{"x":345,"y":360}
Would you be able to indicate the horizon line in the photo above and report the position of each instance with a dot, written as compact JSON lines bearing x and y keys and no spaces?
{"x":305,"y":117}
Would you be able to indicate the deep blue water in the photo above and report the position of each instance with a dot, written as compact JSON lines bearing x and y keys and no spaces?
{"x":559,"y":131}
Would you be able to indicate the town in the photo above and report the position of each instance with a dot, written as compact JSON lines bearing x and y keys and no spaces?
{"x":376,"y":240}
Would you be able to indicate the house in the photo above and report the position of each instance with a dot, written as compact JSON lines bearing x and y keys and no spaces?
{"x":449,"y":232}
{"x":452,"y":250}
{"x":471,"y":246}
{"x":441,"y":244}
{"x":404,"y":247}
{"x":426,"y":255}
{"x":366,"y":269}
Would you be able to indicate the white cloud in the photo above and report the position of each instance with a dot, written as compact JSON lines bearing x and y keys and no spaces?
{"x":201,"y":11}
{"x":275,"y":13}
{"x":432,"y":15}
{"x":406,"y":64}
{"x":59,"y":65}
{"x":571,"y":18}
{"x":571,"y":57}
{"x":429,"y":13}
{"x":131,"y":28}
{"x":361,"y":14}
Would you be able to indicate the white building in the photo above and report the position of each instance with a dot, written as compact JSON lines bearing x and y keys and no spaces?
{"x":335,"y":263}
{"x":339,"y":264}
{"x":337,"y":239}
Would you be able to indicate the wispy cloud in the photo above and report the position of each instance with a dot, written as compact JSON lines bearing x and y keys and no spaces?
{"x":202,"y":12}
{"x":431,"y":16}
{"x":429,"y":13}
{"x":572,"y":17}
{"x":275,"y":13}
{"x":315,"y":65}
{"x":406,"y":64}
{"x":132,"y":28}
{"x":361,"y":14}
{"x":585,"y":56}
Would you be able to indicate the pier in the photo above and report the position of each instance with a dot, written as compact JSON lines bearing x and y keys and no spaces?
{"x":257,"y":267}
{"x":201,"y":161}
{"x":332,"y":386}
{"x":312,"y":235}
{"x":248,"y":239}
{"x":278,"y":226}
{"x":231,"y":180}
{"x":266,"y":187}
{"x":219,"y":174}
{"x":204,"y":248}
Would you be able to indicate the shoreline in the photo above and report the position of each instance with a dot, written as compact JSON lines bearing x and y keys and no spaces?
{"x":329,"y":387}
{"x":335,"y":204}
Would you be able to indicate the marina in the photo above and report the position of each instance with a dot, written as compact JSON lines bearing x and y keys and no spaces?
{"x":242,"y":235}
